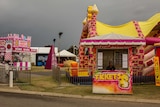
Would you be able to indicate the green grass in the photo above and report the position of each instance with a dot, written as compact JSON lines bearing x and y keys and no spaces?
{"x":147,"y":91}
{"x":47,"y":84}
{"x":39,"y":68}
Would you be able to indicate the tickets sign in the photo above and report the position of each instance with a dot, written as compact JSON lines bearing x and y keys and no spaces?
{"x":112,"y":83}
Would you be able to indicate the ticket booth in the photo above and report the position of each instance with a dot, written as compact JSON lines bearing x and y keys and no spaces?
{"x":119,"y":50}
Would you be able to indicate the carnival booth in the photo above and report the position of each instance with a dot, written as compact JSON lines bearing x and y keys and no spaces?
{"x":116,"y":48}
{"x":15,"y":49}
{"x":130,"y":47}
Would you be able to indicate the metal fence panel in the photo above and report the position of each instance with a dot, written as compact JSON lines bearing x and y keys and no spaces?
{"x":63,"y":78}
{"x":22,"y":76}
{"x":3,"y":75}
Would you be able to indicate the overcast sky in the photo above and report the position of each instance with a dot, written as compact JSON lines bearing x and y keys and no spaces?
{"x":44,"y":19}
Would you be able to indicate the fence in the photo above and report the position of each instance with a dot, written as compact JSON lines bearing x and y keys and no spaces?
{"x":19,"y":76}
{"x":63,"y":77}
{"x":23,"y":75}
{"x":3,"y":75}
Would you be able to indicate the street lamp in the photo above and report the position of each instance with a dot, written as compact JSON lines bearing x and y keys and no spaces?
{"x":54,"y":40}
{"x":60,"y":34}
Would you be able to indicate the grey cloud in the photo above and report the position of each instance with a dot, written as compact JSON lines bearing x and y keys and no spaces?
{"x":44,"y":19}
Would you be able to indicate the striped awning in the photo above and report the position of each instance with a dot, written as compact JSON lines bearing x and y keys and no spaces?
{"x":113,"y":39}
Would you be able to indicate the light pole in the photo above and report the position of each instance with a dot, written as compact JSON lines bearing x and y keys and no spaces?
{"x":60,"y":34}
{"x":54,"y":40}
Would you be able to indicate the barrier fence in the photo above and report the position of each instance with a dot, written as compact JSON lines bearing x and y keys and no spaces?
{"x":63,"y":76}
{"x":19,"y":76}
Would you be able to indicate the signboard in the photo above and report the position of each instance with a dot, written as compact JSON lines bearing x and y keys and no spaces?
{"x":2,"y":42}
{"x":157,"y":70}
{"x":22,"y":43}
{"x":112,"y":82}
{"x":8,"y":46}
{"x":19,"y":49}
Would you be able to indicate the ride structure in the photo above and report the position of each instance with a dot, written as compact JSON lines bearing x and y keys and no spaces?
{"x":131,"y":47}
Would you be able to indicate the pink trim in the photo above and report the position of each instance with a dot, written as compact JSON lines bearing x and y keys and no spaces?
{"x":26,"y":65}
{"x":21,"y":65}
{"x":111,"y":40}
{"x":152,"y":40}
{"x":15,"y":64}
{"x":138,"y":29}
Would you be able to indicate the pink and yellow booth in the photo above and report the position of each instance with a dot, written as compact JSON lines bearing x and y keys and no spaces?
{"x":130,"y":47}
{"x":118,"y":81}
{"x":14,"y":45}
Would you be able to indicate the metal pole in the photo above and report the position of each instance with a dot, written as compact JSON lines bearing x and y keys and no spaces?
{"x":60,"y":33}
{"x":73,"y":49}
{"x":11,"y":78}
{"x":59,"y":72}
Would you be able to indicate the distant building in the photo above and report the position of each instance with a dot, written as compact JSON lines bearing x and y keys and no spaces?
{"x":73,"y":49}
{"x":40,"y":58}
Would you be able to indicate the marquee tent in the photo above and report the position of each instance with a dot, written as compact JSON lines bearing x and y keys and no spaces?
{"x":65,"y":53}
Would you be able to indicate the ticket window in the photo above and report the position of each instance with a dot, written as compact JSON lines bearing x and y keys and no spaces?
{"x":119,"y":58}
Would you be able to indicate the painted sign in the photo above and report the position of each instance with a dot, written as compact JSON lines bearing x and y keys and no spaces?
{"x":8,"y":46}
{"x":19,"y":49}
{"x":2,"y":42}
{"x":23,"y":43}
{"x":112,"y":82}
{"x":157,"y":70}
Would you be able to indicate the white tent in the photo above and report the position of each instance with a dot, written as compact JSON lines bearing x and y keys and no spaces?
{"x":65,"y":53}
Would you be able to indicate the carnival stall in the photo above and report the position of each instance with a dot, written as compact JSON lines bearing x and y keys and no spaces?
{"x":129,"y":46}
{"x":118,"y":49}
{"x":15,"y":49}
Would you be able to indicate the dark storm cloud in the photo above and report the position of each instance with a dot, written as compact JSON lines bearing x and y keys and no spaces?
{"x":44,"y":19}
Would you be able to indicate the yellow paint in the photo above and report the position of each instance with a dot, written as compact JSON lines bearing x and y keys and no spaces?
{"x":128,"y":29}
{"x":157,"y":70}
{"x":83,"y":74}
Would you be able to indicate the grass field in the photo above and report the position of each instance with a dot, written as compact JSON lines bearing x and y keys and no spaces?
{"x":47,"y":84}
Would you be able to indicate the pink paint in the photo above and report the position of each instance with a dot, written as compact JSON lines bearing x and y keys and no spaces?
{"x":152,"y":40}
{"x":14,"y":64}
{"x":21,"y":66}
{"x":26,"y":65}
{"x":113,"y":40}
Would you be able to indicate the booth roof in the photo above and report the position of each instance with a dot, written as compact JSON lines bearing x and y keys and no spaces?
{"x":65,"y":53}
{"x":129,"y":28}
{"x":113,"y":39}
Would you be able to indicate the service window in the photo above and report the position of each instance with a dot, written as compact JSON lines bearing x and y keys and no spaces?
{"x":119,"y":58}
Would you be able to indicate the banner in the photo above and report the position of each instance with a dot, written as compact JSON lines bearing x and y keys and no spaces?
{"x":112,"y":82}
{"x":157,"y":70}
{"x":8,"y":46}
